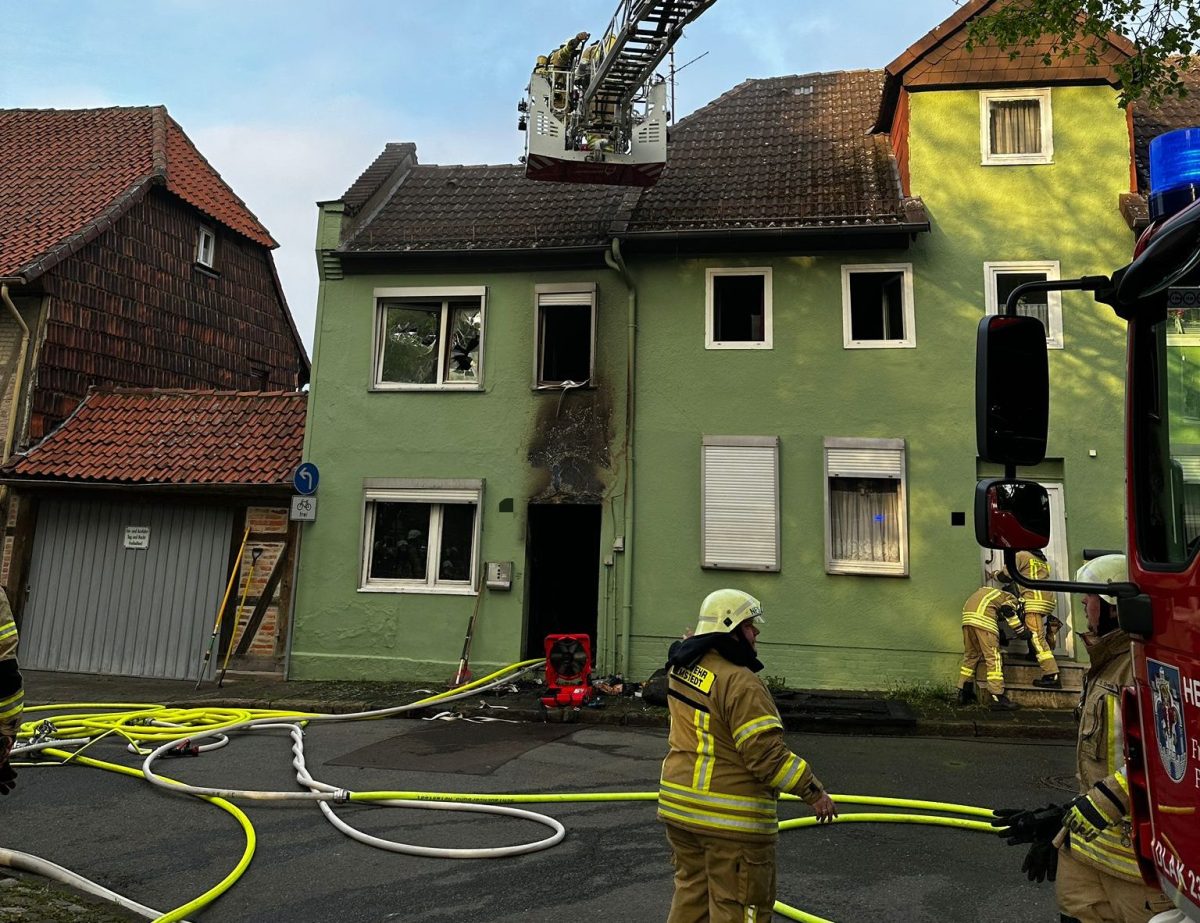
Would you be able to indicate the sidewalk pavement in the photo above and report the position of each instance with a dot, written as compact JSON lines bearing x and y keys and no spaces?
{"x":824,"y":712}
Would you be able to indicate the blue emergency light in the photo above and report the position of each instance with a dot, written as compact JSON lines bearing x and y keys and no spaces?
{"x":1174,"y":171}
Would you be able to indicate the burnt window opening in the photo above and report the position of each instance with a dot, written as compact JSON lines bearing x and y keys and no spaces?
{"x":739,"y":309}
{"x":565,"y":338}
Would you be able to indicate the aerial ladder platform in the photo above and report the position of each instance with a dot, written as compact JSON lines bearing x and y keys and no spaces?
{"x":596,"y":112}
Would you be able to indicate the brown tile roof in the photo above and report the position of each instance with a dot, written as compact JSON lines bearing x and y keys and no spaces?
{"x":784,"y":152}
{"x":69,"y":173}
{"x":1172,"y":113}
{"x":175,"y":437}
{"x":394,"y":154}
{"x":486,"y":208}
{"x":787,"y":152}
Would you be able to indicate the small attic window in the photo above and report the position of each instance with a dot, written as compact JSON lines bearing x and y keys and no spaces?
{"x":802,"y":91}
{"x":206,"y":246}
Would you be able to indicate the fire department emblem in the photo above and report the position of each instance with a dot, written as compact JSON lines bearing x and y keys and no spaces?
{"x":1168,"y":718}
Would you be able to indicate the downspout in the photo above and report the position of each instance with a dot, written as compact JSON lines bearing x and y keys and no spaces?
{"x":18,"y":377}
{"x":614,"y":260}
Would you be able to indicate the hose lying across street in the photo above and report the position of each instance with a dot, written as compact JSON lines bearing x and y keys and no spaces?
{"x":153,"y":730}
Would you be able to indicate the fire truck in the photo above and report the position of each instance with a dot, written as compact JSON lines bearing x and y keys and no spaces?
{"x":1158,"y":295}
{"x":595,"y":111}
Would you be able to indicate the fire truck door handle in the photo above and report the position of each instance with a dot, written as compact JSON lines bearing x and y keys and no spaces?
{"x":1135,"y":615}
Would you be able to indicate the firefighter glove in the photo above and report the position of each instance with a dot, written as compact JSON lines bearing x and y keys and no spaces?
{"x":1041,"y":862}
{"x":8,"y":775}
{"x":1092,"y":812}
{"x":1019,"y":826}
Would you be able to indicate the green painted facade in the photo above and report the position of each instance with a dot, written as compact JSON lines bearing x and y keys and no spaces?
{"x":823,"y":630}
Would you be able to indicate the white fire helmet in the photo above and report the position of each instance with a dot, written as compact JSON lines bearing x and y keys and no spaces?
{"x":724,"y":610}
{"x":1108,"y":568}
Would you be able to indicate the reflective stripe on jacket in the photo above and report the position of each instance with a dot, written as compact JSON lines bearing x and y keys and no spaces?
{"x":1100,"y":753}
{"x":1037,"y":602}
{"x":12,"y":697}
{"x":982,"y":609}
{"x":727,"y":761}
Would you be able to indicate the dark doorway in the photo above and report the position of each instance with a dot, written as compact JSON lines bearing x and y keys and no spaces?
{"x":562,"y":547}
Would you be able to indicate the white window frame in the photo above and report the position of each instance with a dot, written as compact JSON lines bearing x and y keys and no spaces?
{"x":1046,"y":155}
{"x":428,"y":293}
{"x":437,"y":493}
{"x":739,"y":497}
{"x":548,"y":296}
{"x":1054,"y":330}
{"x":206,"y":245}
{"x":866,"y":458}
{"x":710,"y":340}
{"x":909,"y":340}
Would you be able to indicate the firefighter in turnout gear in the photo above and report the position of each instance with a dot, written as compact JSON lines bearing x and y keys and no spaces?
{"x":12,"y":696}
{"x":981,"y":617}
{"x":1039,"y":610}
{"x":725,"y":768}
{"x":1095,"y":870}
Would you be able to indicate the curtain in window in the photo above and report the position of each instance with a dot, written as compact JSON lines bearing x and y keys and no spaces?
{"x":1016,"y":126}
{"x":864,"y":520}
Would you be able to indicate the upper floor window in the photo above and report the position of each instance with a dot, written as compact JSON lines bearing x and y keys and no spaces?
{"x":1015,"y":126}
{"x":1001,"y":278}
{"x":877,"y":306}
{"x":206,"y":246}
{"x":737,"y":312}
{"x":565,"y":335}
{"x":428,"y":338}
{"x":420,"y":536}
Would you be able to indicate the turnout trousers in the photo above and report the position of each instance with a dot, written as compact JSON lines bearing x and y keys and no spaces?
{"x":1045,"y":657}
{"x":981,"y":644}
{"x":718,"y":880}
{"x":1090,"y":896}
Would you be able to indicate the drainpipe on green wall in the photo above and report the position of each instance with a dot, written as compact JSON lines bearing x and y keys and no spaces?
{"x":615,"y":262}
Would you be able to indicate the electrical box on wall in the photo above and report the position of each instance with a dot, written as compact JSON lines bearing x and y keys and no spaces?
{"x":499,"y":575}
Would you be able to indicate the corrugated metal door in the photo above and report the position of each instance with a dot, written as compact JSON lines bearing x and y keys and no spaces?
{"x":96,"y":606}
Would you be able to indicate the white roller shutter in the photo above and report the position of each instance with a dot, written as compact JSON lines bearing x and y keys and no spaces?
{"x":740,"y":502}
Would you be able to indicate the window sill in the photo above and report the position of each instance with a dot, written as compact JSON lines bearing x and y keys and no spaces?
{"x":857,"y":569}
{"x":557,"y":388}
{"x":1032,"y":160}
{"x":750,"y":568}
{"x":880,"y":344}
{"x":393,"y":388}
{"x":720,"y":344}
{"x":1183,"y":339}
{"x":206,"y":270}
{"x":423,"y":590}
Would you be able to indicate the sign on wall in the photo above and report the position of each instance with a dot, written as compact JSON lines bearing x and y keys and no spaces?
{"x":137,"y":537}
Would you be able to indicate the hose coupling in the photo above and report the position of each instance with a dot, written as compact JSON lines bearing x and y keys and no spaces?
{"x":341,"y":796}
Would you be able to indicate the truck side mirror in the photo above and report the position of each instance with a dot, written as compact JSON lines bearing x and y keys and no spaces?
{"x":1012,"y":390}
{"x":1012,"y":514}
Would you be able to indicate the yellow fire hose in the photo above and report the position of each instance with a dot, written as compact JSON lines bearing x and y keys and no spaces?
{"x":161,"y":727}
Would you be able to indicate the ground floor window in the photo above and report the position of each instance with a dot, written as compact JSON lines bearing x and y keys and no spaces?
{"x":420,"y":539}
{"x":739,"y":502}
{"x":866,"y":522}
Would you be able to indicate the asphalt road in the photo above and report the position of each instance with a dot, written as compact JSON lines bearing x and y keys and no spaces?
{"x":163,"y":850}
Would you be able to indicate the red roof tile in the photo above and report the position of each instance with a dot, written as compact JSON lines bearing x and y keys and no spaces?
{"x":152,"y":436}
{"x":69,"y":173}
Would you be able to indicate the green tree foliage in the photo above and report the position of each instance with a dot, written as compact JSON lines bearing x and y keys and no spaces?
{"x":1164,"y":33}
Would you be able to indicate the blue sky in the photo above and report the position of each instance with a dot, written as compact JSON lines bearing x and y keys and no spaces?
{"x":292,"y":99}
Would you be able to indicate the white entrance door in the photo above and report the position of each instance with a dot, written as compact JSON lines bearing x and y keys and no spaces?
{"x":1056,"y":556}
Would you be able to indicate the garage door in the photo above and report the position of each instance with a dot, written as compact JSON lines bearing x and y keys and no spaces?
{"x":124,"y":589}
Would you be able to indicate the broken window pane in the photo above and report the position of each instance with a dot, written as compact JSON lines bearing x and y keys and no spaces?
{"x":462,"y":363}
{"x":401,"y":541}
{"x":739,"y":312}
{"x":410,"y":343}
{"x":877,"y":305}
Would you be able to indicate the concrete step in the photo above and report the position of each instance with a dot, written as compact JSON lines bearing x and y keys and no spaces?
{"x":1018,"y":684}
{"x":1024,"y":672}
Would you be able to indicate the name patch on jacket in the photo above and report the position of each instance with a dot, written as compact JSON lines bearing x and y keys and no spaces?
{"x":696,"y":677}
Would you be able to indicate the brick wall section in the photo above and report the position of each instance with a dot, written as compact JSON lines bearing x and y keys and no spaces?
{"x":10,"y":529}
{"x":263,"y":521}
{"x":133,"y":309}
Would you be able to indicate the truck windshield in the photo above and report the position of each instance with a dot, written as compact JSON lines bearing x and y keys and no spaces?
{"x":1164,"y":404}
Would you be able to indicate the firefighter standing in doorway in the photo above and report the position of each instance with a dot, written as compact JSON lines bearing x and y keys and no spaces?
{"x":12,"y":696}
{"x":1096,"y":870}
{"x":1038,"y":606}
{"x":981,"y":617}
{"x":725,"y":767}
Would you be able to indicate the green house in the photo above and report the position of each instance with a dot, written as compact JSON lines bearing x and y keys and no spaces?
{"x":579,"y":409}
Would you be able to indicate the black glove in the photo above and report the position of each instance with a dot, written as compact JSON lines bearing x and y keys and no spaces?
{"x":8,"y":775}
{"x":1041,"y":862}
{"x":1042,"y":824}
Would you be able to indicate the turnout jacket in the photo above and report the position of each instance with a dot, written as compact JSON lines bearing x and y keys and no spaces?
{"x":1100,"y":755}
{"x":12,"y":697}
{"x":982,"y":610}
{"x":727,"y":761}
{"x":1037,"y":602}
